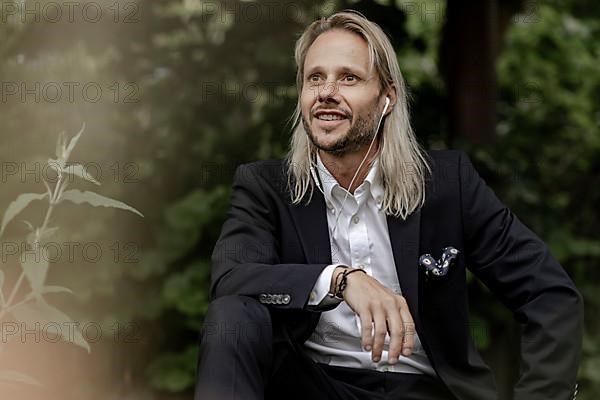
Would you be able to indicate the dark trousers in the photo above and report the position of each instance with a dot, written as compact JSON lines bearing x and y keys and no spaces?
{"x":236,"y":363}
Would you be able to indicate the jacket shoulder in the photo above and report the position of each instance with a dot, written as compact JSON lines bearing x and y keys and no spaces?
{"x":265,"y":165}
{"x":269,"y":173}
{"x":444,"y":164}
{"x":266,"y":168}
{"x":445,"y":156}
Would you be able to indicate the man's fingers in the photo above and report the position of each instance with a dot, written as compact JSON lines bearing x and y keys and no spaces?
{"x":366,"y":326}
{"x":409,"y":331}
{"x":396,"y":330}
{"x":378,"y":318}
{"x":380,"y":332}
{"x":409,"y":339}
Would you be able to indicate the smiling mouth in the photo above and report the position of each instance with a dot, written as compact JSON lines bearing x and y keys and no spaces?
{"x":331,"y":123}
{"x":330,"y":117}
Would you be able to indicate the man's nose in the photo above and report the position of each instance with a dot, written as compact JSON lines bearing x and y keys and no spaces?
{"x":327,"y":91}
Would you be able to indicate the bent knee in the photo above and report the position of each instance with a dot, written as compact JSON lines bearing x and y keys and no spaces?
{"x":239,"y":317}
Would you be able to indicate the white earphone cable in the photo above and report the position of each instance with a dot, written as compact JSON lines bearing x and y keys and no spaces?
{"x":314,"y":175}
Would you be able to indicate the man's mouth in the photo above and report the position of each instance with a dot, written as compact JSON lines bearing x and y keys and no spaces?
{"x":330,"y":118}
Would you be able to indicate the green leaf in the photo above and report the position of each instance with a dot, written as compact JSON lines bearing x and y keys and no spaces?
{"x":41,"y":315}
{"x":32,"y":237}
{"x":48,"y":232}
{"x":35,"y":266}
{"x":61,"y":144}
{"x":56,"y":289}
{"x":14,"y":376}
{"x":73,"y":142}
{"x":96,"y":200}
{"x":40,"y":236}
{"x":29,"y":225}
{"x":18,"y":205}
{"x":80,"y":171}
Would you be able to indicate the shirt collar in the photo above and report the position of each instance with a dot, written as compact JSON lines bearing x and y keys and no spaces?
{"x":373,"y":178}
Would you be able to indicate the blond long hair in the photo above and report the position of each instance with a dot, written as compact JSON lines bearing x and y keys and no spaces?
{"x":402,"y":165}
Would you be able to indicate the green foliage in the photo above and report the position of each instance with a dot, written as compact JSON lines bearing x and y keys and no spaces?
{"x":174,"y":372}
{"x":545,"y":162}
{"x":181,"y":292}
{"x":187,"y":221}
{"x":40,"y":313}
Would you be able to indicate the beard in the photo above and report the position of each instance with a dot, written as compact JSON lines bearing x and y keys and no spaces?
{"x":360,"y":133}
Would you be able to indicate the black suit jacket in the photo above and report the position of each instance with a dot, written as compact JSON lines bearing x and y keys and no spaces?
{"x":274,"y":252}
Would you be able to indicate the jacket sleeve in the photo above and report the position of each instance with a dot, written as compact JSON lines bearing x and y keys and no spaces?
{"x":246,"y":260}
{"x":519,"y":269}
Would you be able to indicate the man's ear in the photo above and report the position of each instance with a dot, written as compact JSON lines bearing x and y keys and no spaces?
{"x":390,"y":92}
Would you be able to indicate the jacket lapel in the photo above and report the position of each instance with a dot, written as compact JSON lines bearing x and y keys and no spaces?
{"x":404,"y":237}
{"x":313,"y":232}
{"x":311,"y":220}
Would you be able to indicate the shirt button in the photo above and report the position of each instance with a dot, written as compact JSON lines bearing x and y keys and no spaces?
{"x":355,"y":219}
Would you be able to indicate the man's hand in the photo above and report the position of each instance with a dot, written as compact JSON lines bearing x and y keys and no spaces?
{"x":375,"y":303}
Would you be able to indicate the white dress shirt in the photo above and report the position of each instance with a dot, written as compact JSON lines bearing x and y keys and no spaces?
{"x":361,"y":240}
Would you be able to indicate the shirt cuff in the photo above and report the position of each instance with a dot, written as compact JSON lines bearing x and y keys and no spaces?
{"x":319,"y":292}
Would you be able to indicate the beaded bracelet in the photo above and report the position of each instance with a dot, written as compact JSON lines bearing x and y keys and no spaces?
{"x":341,"y":286}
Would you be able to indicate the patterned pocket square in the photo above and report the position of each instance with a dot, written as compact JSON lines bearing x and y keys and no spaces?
{"x":438,"y":268}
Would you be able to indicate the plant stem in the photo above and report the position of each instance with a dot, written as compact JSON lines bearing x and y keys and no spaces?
{"x":7,"y":306}
{"x":10,"y":308}
{"x":2,"y":300}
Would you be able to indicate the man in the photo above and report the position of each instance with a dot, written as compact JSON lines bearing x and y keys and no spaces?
{"x":320,"y":284}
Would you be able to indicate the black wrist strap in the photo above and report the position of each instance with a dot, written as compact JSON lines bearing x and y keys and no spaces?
{"x":341,"y":286}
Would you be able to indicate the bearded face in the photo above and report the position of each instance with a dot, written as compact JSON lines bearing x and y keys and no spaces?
{"x":340,"y":98}
{"x":351,"y":138}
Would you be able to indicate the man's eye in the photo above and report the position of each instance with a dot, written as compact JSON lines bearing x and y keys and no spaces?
{"x":314,"y":78}
{"x":351,"y":78}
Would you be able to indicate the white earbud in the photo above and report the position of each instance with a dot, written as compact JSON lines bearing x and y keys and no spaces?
{"x":387,"y":104}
